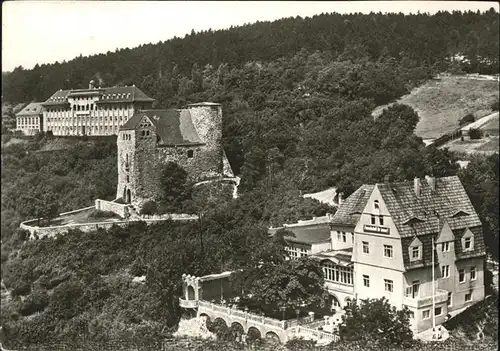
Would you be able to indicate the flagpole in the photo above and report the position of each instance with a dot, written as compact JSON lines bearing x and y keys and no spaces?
{"x":433,"y":290}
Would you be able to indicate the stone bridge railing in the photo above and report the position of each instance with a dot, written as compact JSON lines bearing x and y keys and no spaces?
{"x":264,"y":325}
{"x":267,"y":327}
{"x":317,"y":334}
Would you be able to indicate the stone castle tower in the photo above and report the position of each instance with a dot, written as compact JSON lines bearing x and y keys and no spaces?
{"x":190,"y":137}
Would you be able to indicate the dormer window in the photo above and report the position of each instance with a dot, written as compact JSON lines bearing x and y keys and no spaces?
{"x":459,"y":213}
{"x":190,"y":153}
{"x":415,"y":252}
{"x":468,"y":241}
{"x":467,"y":244}
{"x":445,"y":247}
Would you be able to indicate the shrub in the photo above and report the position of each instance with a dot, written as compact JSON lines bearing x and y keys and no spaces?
{"x":468,"y":118}
{"x":299,"y":344}
{"x":6,"y":138}
{"x":149,"y":208}
{"x":138,"y":268}
{"x":494,"y":105}
{"x":21,"y":290}
{"x":475,"y":133}
{"x":36,"y":302}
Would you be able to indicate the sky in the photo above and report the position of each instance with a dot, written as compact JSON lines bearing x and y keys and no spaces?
{"x":49,"y":31}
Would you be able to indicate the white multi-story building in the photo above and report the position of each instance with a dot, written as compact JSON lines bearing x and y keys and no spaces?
{"x":381,"y":246}
{"x":92,"y":111}
{"x":30,"y":119}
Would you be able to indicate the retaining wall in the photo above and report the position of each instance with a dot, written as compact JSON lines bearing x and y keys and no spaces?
{"x":120,"y":209}
{"x":87,"y":227}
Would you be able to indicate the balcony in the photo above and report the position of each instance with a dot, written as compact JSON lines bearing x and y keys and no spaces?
{"x":188,"y":303}
{"x":419,"y":302}
{"x":339,"y":287}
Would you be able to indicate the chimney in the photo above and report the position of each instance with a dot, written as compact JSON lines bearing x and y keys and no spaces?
{"x":91,"y":84}
{"x":432,"y":182}
{"x":340,"y":199}
{"x":417,"y":186}
{"x":387,"y":178}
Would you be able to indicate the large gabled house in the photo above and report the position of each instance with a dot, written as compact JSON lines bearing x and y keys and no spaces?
{"x":381,"y":245}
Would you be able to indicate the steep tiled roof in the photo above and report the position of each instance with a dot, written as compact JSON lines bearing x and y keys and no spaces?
{"x":19,"y":107}
{"x":349,"y":211}
{"x":174,"y":127}
{"x":32,"y":109}
{"x":107,"y":95}
{"x":432,"y":206}
{"x":448,"y":197}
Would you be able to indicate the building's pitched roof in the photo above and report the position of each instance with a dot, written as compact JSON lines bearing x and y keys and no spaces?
{"x":349,"y":211}
{"x":307,"y":234}
{"x":435,"y":207}
{"x":431,"y":206}
{"x":19,"y":107}
{"x":341,"y":257}
{"x":32,"y":109}
{"x":173,"y":126}
{"x":205,"y":103}
{"x":326,"y":196}
{"x":107,"y":95}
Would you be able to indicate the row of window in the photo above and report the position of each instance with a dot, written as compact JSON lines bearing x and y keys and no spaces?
{"x":388,"y":249}
{"x":145,"y":134}
{"x":445,"y":273}
{"x":415,"y":251}
{"x":337,"y":274}
{"x":91,"y":107}
{"x":120,"y":119}
{"x":342,"y":237}
{"x":94,"y":128}
{"x":380,"y":220}
{"x":468,"y":245}
{"x":294,"y":252}
{"x":426,"y":314}
{"x":27,"y":121}
{"x":388,"y":283}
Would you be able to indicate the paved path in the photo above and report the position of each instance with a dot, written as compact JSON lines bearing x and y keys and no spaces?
{"x":235,"y":180}
{"x":481,"y":122}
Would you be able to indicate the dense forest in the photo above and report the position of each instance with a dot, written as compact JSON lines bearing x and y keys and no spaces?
{"x":426,"y":39}
{"x":297,"y":98}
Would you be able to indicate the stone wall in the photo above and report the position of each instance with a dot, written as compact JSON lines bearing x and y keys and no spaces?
{"x":146,"y":158}
{"x":41,"y":232}
{"x":126,"y":154}
{"x":207,"y":120}
{"x":146,"y":170}
{"x":120,"y":209}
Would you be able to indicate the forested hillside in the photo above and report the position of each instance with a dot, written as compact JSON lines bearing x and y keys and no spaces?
{"x":421,"y":37}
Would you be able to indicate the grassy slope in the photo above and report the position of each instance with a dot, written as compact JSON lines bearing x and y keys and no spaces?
{"x":441,"y":103}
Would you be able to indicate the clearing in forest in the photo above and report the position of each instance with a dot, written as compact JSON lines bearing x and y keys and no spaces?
{"x":441,"y":103}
